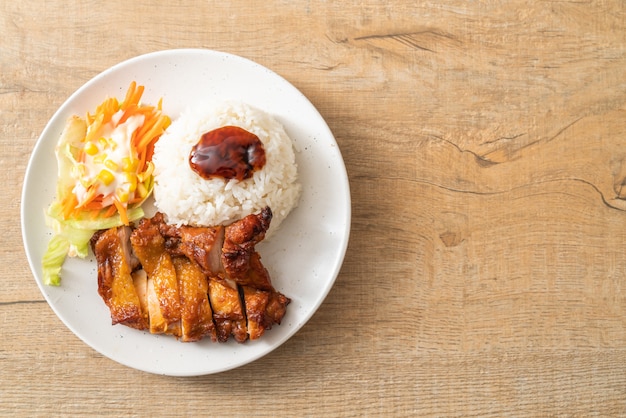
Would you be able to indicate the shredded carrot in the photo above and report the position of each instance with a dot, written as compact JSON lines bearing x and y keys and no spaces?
{"x":149,"y":151}
{"x":121,"y":208}
{"x":141,"y":150}
{"x":69,"y":204}
{"x":110,"y":211}
{"x":133,"y":95}
{"x":92,"y":193}
{"x":141,"y":162}
{"x":147,"y":126}
{"x":129,"y":93}
{"x":154,"y":132}
{"x":134,"y":200}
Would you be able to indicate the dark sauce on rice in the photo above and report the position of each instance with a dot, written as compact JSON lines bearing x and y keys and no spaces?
{"x":229,"y":152}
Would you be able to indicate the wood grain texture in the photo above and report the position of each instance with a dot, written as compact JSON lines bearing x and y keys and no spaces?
{"x":485,"y":144}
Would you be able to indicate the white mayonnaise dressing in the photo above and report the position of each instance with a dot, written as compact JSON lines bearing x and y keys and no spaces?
{"x":116,"y":147}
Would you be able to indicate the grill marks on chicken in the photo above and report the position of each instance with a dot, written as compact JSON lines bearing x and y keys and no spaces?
{"x":189,"y":282}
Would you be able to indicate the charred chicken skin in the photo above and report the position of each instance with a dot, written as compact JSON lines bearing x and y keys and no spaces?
{"x":189,"y":282}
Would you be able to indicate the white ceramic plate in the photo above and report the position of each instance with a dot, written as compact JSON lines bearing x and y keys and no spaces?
{"x":303,"y":257}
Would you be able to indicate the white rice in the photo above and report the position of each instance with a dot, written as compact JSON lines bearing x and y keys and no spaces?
{"x":185,"y":198}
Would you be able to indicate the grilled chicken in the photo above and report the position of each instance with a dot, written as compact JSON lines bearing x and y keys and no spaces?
{"x":147,"y":243}
{"x":195,"y":310}
{"x":200,"y":244}
{"x":228,"y":311}
{"x":115,"y":282}
{"x":140,"y":280}
{"x":163,"y":298}
{"x":263,"y":309}
{"x":256,"y":302}
{"x":189,"y":282}
{"x":240,"y":260}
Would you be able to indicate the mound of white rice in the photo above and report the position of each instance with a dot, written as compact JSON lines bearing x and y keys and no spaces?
{"x":185,"y":198}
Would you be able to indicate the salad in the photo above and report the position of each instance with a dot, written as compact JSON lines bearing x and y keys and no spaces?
{"x":105,"y":173}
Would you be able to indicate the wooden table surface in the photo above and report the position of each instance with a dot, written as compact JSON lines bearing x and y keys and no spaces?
{"x":485,"y":144}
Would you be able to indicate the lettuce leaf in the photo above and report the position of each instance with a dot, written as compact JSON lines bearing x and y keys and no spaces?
{"x":71,"y":238}
{"x":53,"y":260}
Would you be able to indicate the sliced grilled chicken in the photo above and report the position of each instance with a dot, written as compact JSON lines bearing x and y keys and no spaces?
{"x":164,"y":298}
{"x":263,"y":309}
{"x":228,"y":311}
{"x":255,"y":301}
{"x":195,"y":310}
{"x":200,"y":244}
{"x":147,"y":243}
{"x":115,"y":283}
{"x":140,"y":280}
{"x":189,"y":282}
{"x":240,"y":260}
{"x":276,"y":308}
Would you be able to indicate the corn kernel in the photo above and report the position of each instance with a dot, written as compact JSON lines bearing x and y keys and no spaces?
{"x":111,"y":165}
{"x":91,"y":148}
{"x":103,"y":141}
{"x":147,"y":172}
{"x":131,"y":179}
{"x":86,"y":183}
{"x":122,"y":195}
{"x":149,"y":168}
{"x":128,"y":165}
{"x":106,"y":177}
{"x":143,"y":191}
{"x":99,"y":159}
{"x":81,"y":170}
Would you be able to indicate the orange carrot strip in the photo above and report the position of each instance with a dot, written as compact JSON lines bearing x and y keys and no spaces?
{"x":107,"y":109}
{"x":110,"y":211}
{"x":93,"y":206}
{"x":137,"y":96}
{"x":150,"y":151}
{"x":90,"y":196}
{"x":154,"y":132}
{"x":129,"y":95}
{"x":148,"y":123}
{"x":133,"y":96}
{"x":99,"y":211}
{"x":147,"y":126}
{"x":121,"y":209}
{"x":136,"y":199}
{"x":141,"y":163}
{"x":134,"y":110}
{"x":69,"y":204}
{"x":94,"y":127}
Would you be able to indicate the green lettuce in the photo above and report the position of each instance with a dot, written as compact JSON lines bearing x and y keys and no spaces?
{"x":71,"y":237}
